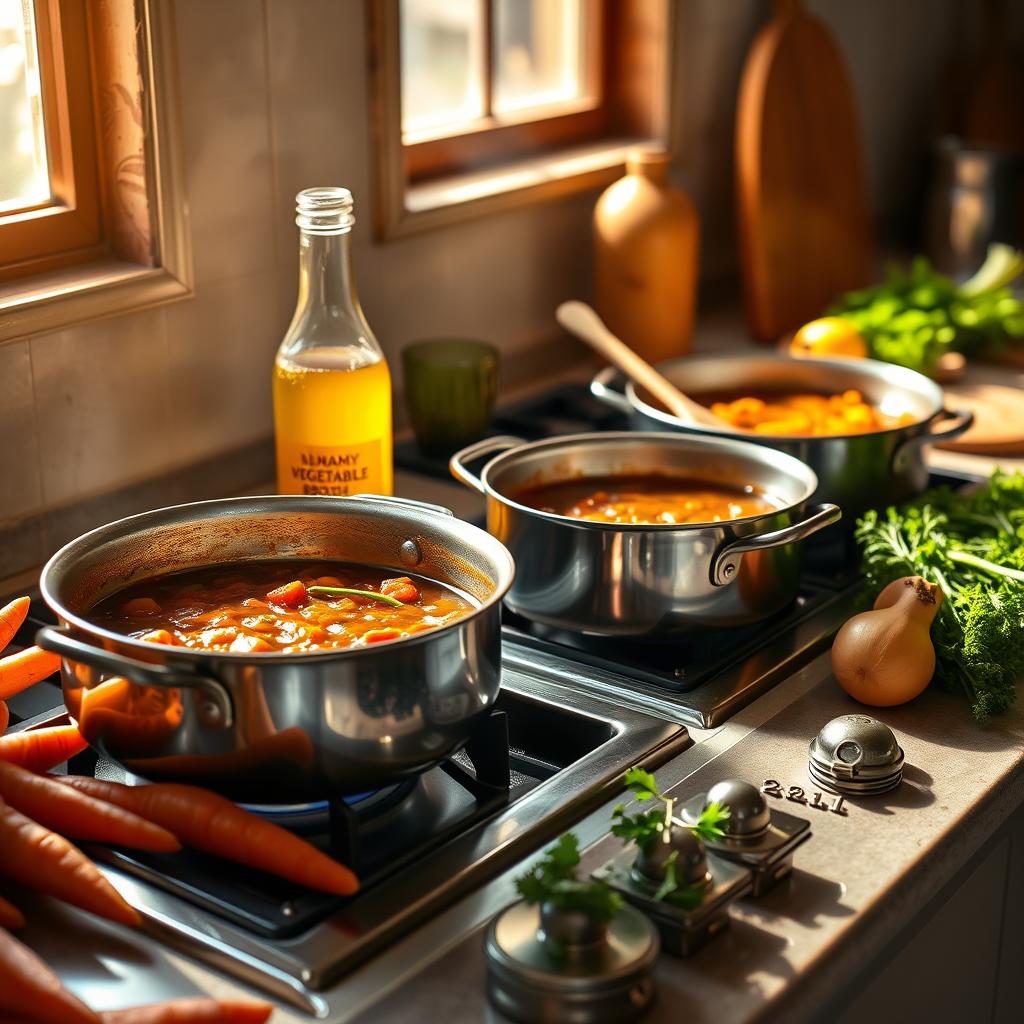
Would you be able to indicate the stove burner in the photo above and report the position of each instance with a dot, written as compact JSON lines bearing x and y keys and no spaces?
{"x":375,"y":833}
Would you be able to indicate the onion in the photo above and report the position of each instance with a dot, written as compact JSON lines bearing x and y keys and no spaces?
{"x":885,"y":656}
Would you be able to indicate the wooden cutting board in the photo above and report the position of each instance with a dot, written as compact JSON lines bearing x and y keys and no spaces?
{"x":802,"y":198}
{"x":998,"y":427}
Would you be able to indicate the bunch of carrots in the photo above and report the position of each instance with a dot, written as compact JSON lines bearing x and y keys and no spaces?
{"x":40,"y":814}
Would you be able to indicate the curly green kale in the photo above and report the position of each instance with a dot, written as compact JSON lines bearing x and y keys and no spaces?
{"x":972,"y":546}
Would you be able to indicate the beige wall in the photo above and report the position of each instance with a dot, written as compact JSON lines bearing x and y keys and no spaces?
{"x":274,"y":99}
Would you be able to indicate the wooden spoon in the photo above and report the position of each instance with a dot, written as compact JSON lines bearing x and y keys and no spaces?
{"x":579,"y":319}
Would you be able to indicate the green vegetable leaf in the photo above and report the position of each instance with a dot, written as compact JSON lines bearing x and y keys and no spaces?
{"x":972,"y":546}
{"x":642,"y":784}
{"x":708,"y":825}
{"x":553,"y":880}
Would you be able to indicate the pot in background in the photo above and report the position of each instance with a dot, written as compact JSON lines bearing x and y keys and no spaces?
{"x":611,"y":579}
{"x":855,"y":471}
{"x":276,"y":727}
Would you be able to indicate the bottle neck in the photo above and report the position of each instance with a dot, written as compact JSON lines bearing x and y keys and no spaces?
{"x":325,"y":272}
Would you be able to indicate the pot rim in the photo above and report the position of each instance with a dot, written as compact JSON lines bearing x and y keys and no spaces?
{"x":781,"y":461}
{"x":889,"y":373}
{"x":496,"y":549}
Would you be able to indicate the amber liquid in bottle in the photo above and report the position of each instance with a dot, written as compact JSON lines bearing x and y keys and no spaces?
{"x":332,"y":387}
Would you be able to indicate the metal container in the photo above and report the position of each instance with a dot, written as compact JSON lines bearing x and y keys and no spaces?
{"x":628,"y":580}
{"x":856,"y":755}
{"x":602,"y":977}
{"x":976,"y":197}
{"x":273,"y":727}
{"x":856,"y":471}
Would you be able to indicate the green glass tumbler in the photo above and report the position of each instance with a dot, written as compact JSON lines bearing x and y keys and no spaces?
{"x":450,"y":388}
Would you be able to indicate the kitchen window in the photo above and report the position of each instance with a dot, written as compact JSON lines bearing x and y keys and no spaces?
{"x":480,"y":104}
{"x":87,"y":189}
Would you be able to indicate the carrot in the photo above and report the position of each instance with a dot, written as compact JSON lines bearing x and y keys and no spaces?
{"x":377,"y":636}
{"x":10,"y":915}
{"x":211,"y":823}
{"x":40,"y":859}
{"x":39,"y":750}
{"x":19,"y":671}
{"x":32,"y":992}
{"x":401,"y":588}
{"x":191,"y":1011}
{"x":5,"y":717}
{"x":291,"y":595}
{"x":11,"y":617}
{"x":78,"y":816}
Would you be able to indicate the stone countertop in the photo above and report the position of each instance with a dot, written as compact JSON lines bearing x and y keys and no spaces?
{"x":859,"y":880}
{"x":856,"y":883}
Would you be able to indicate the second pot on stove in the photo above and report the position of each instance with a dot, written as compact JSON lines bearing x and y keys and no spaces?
{"x":612,"y":579}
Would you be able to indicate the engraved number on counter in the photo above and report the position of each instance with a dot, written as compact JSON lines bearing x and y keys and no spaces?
{"x":796,"y":794}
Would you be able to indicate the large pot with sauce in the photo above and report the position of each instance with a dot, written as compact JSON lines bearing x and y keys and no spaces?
{"x":643,"y":579}
{"x":282,"y":727}
{"x":857,"y":471}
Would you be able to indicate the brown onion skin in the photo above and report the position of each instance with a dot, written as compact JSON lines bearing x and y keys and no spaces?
{"x":885,"y":657}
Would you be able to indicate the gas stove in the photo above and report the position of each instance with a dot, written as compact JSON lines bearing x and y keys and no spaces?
{"x":574,"y":713}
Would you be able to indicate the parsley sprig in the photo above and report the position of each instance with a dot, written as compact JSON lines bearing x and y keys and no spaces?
{"x":648,"y":828}
{"x":554,"y":880}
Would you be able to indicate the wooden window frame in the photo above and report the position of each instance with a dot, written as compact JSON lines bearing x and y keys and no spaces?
{"x":66,"y":227}
{"x":90,"y":252}
{"x":497,"y":163}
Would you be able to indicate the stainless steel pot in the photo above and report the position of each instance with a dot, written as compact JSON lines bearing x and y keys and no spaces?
{"x":279,"y":727}
{"x":857,"y":471}
{"x":624,"y":580}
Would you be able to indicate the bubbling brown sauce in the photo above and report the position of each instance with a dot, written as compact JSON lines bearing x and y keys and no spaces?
{"x":648,"y":500}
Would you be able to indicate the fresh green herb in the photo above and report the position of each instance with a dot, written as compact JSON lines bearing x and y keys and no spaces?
{"x":686,"y":897}
{"x":553,"y":880}
{"x":972,"y":546}
{"x":647,"y":828}
{"x":915,"y":316}
{"x":349,"y":592}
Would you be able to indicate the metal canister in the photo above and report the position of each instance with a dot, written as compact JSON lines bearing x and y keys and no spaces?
{"x":604,"y":978}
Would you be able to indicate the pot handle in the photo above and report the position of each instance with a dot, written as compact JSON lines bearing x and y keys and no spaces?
{"x":457,"y":463}
{"x":962,"y":420}
{"x":390,"y":499}
{"x":60,"y":641}
{"x":726,"y":563}
{"x":601,"y":388}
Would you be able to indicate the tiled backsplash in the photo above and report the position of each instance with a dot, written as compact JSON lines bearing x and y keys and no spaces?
{"x":274,"y":99}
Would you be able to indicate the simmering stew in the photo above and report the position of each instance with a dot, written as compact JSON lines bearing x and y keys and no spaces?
{"x":806,"y":415}
{"x":645,"y":500}
{"x":280,"y":606}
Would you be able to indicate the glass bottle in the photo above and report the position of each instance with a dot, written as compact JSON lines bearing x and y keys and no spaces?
{"x":332,"y":387}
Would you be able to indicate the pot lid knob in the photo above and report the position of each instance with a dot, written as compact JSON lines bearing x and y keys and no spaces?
{"x":749,"y":814}
{"x":856,"y":755}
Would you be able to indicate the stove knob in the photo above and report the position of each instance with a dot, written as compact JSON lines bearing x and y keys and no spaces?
{"x":690,"y":860}
{"x":749,"y":814}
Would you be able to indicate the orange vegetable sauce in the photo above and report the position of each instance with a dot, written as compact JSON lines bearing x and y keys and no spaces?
{"x":227,"y":608}
{"x":806,"y":415}
{"x":650,"y":500}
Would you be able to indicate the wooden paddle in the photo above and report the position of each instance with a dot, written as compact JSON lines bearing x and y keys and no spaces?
{"x":802,"y":199}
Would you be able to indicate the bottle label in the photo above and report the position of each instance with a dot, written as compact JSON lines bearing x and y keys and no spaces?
{"x":329,"y":469}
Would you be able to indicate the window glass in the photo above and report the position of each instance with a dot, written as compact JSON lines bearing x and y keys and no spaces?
{"x":538,"y":53}
{"x":24,"y":176}
{"x":442,"y":65}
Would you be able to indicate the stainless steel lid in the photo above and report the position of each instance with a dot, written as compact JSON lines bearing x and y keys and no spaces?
{"x":856,"y":755}
{"x":606,"y":982}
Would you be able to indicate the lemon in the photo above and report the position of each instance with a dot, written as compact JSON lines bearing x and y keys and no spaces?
{"x":829,"y":336}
